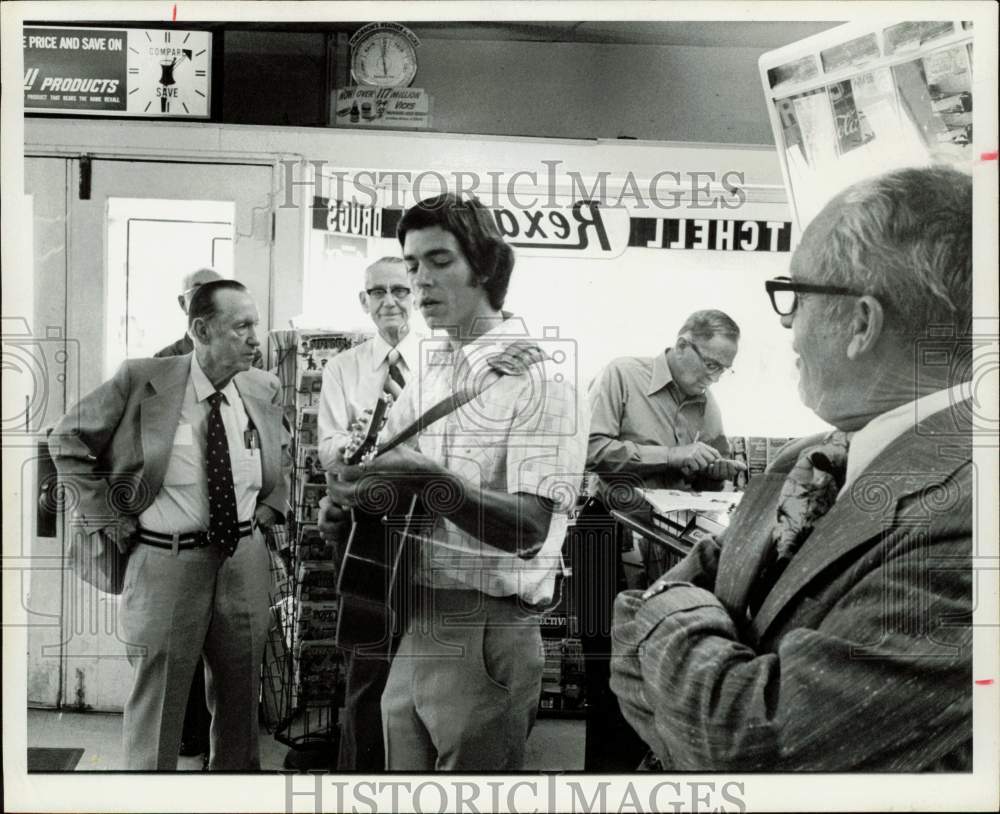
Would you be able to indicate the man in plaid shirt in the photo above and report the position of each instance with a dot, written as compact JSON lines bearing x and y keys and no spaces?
{"x":500,"y":475}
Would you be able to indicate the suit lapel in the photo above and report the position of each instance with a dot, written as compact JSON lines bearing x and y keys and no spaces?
{"x":910,"y":464}
{"x":158,"y":416}
{"x":744,"y":553}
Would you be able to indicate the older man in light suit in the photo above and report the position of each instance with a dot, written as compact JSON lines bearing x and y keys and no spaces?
{"x":181,"y":461}
{"x":829,"y":629}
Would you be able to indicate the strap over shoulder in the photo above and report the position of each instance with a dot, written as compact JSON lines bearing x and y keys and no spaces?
{"x":517,"y":357}
{"x":514,"y":360}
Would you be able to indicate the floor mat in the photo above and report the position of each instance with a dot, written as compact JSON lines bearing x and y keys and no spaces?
{"x":45,"y":759}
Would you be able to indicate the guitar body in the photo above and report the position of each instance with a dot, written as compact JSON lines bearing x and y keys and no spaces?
{"x":375,"y":576}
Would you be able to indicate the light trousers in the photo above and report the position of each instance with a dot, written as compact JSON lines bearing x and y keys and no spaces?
{"x":175,"y":608}
{"x":464,"y":685}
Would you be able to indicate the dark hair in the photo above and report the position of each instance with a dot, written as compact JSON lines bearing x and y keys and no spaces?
{"x":710,"y":323}
{"x":473,"y":226}
{"x":203,"y":300}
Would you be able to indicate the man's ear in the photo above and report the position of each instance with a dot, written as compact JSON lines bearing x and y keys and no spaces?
{"x":199,"y":330}
{"x":867,"y":322}
{"x":363,"y":299}
{"x":181,"y":303}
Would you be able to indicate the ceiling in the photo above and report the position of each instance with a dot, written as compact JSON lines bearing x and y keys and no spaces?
{"x":752,"y":34}
{"x":770,"y":34}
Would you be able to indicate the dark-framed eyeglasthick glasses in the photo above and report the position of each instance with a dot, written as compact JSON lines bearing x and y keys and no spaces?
{"x":399,"y":292}
{"x":784,"y":292}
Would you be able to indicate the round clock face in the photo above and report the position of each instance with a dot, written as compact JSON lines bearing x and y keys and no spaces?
{"x":169,"y":72}
{"x":385,"y":59}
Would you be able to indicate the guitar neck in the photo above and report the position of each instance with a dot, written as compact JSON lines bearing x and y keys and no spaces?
{"x":371,"y":436}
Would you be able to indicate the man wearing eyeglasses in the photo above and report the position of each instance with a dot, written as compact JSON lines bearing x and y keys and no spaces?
{"x":353,"y":381}
{"x":654,"y":421}
{"x":655,"y":418}
{"x":829,"y":628}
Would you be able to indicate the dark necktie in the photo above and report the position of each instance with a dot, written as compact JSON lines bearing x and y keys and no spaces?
{"x":223,"y":522}
{"x":809,"y":492}
{"x":394,"y":380}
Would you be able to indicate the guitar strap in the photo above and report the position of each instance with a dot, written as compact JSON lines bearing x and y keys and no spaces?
{"x":514,"y":360}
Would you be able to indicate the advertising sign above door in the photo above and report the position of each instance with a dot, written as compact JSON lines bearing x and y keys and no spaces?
{"x":157,"y":73}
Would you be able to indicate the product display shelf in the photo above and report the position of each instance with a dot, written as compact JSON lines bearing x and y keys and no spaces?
{"x":306,"y":608}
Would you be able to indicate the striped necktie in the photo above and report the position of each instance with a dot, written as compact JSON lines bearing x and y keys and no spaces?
{"x":223,"y":522}
{"x":394,"y":380}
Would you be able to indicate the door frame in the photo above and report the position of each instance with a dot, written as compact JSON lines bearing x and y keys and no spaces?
{"x":74,"y":160}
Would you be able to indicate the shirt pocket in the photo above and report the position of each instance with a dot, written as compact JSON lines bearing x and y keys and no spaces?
{"x":247,"y":468}
{"x":185,"y":465}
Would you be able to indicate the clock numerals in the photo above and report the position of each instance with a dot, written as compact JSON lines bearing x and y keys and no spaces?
{"x":384,"y":58}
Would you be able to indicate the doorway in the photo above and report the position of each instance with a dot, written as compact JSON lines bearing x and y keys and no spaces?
{"x":113,"y":239}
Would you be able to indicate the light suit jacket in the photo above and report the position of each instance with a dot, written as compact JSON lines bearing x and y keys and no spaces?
{"x":859,"y":657}
{"x":112,"y":448}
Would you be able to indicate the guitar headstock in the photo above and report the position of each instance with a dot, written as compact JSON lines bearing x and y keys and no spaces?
{"x":363,"y":444}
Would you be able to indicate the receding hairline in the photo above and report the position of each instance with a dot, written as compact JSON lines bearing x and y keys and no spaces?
{"x":384,"y":261}
{"x":200,"y":277}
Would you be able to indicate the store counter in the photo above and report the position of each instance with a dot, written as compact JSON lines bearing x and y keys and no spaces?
{"x":666,"y":526}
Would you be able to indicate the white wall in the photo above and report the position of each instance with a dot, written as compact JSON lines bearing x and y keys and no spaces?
{"x":631,"y":305}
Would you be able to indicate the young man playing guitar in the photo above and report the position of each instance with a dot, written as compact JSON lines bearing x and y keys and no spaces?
{"x":498,"y":475}
{"x":353,"y":382}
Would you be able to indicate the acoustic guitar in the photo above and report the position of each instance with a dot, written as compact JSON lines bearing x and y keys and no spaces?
{"x":383,"y":546}
{"x":374,"y":574}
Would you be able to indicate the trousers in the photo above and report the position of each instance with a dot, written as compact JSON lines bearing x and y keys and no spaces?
{"x":174,"y":608}
{"x":464,"y":685}
{"x":361,"y":745}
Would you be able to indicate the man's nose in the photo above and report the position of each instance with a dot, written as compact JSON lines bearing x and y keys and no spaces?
{"x":786,"y":320}
{"x":252,"y":338}
{"x":421,"y":276}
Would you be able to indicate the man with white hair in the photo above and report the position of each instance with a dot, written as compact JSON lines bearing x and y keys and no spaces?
{"x":829,"y":628}
{"x":353,"y":381}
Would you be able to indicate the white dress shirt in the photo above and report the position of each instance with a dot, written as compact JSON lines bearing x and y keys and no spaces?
{"x":182,"y":502}
{"x":882,"y":430}
{"x":352,"y":383}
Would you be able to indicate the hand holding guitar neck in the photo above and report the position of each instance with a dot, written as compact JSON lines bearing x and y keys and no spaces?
{"x":362,"y":446}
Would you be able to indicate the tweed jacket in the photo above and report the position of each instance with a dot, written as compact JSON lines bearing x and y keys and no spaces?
{"x":859,"y":657}
{"x":112,"y":448}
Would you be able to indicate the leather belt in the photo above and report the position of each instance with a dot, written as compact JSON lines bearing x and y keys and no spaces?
{"x":189,"y":539}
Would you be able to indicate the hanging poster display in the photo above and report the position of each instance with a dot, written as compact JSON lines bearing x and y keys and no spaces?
{"x":864,"y":98}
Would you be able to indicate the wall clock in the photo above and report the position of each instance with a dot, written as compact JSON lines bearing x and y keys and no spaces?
{"x":169,"y":72}
{"x":384,"y":55}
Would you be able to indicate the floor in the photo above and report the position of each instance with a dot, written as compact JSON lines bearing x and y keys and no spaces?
{"x":554,"y":743}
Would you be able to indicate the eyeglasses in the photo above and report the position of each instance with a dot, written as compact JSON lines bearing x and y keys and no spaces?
{"x":784,"y":292}
{"x":399,"y":292}
{"x":715,"y":369}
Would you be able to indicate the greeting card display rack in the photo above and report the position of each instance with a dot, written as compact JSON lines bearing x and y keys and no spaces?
{"x":304,"y":670}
